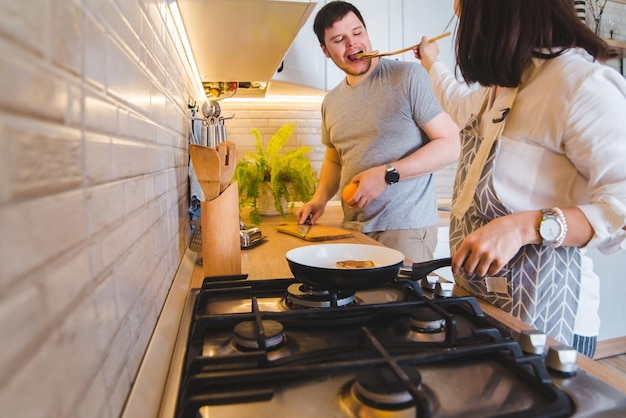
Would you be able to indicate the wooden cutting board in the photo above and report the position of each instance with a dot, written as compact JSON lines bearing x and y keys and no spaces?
{"x":317,"y":232}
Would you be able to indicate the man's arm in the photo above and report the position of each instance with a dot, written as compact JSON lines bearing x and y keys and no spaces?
{"x":327,"y":187}
{"x":443,"y":149}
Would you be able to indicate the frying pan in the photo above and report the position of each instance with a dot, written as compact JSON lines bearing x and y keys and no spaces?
{"x":315,"y":265}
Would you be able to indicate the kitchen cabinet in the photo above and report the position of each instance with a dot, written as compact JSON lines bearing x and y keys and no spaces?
{"x":611,"y":270}
{"x":392,"y":25}
{"x":241,"y":40}
{"x":305,"y":63}
{"x":443,"y":248}
{"x":428,"y":18}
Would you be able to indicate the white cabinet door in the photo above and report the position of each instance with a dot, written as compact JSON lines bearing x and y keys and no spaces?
{"x":611,"y":271}
{"x":305,"y":63}
{"x":442,"y":250}
{"x":428,"y":18}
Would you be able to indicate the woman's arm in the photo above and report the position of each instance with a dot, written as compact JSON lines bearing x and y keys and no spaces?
{"x":486,"y":250}
{"x":456,"y":98}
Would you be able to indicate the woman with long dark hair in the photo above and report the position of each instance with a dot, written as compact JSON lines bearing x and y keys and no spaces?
{"x":541,"y":175}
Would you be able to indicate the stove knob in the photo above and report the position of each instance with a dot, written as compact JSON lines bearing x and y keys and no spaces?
{"x":562,"y":358}
{"x":429,"y":282}
{"x":533,"y":341}
{"x":444,"y":288}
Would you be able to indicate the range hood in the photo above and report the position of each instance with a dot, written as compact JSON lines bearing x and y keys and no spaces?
{"x":241,"y":41}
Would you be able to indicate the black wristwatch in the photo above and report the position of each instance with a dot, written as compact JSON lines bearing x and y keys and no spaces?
{"x":391,"y":176}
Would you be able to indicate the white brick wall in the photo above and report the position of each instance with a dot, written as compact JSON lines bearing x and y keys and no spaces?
{"x":93,"y":197}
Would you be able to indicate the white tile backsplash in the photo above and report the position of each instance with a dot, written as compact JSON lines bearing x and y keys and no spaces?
{"x":18,"y":326}
{"x":93,"y":193}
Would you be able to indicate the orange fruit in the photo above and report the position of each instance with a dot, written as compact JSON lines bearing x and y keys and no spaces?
{"x":349,"y":191}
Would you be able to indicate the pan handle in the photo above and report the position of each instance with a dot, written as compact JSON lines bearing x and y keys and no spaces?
{"x":420,"y":270}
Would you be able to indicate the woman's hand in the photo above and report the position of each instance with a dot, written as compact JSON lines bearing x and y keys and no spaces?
{"x":486,"y":251}
{"x":427,"y":52}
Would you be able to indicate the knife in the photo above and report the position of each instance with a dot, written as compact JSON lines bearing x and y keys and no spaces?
{"x":303,"y":228}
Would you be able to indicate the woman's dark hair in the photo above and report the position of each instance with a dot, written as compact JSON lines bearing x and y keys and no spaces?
{"x":329,"y":14}
{"x":496,"y":39}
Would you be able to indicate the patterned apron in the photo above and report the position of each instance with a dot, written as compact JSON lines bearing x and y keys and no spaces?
{"x":540,"y":284}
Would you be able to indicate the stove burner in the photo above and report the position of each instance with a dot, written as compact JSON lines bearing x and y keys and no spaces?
{"x":301,"y":296}
{"x":246,"y":334}
{"x":424,"y":319}
{"x":379,"y":393}
{"x":426,"y":325}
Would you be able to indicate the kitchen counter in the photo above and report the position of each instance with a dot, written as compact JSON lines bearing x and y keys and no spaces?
{"x":617,"y":47}
{"x":268,"y":261}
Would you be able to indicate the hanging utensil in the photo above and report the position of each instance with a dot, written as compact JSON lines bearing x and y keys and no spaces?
{"x":228,"y":161}
{"x":220,"y":129}
{"x":206,"y":163}
{"x":374,"y":54}
{"x":211,"y":109}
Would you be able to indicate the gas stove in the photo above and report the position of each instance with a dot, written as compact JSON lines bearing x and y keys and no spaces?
{"x":277,"y":348}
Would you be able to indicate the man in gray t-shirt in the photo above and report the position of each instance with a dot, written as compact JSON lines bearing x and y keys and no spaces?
{"x":384,"y":130}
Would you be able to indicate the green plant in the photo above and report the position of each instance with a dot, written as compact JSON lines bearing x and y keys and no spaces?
{"x":289,"y":175}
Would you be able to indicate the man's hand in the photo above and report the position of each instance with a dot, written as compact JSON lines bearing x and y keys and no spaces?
{"x":371,"y":184}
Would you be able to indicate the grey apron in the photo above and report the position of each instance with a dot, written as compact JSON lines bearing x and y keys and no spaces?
{"x":540,"y":285}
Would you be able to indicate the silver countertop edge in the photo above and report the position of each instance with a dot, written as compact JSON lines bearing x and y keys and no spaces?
{"x":146,"y":393}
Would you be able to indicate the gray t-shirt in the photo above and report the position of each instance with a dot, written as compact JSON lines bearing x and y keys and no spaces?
{"x":376,"y":122}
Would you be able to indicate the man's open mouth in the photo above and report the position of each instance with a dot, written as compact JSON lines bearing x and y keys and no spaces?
{"x":353,"y":56}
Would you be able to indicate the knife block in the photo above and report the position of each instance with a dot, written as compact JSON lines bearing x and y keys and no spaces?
{"x":221,"y":246}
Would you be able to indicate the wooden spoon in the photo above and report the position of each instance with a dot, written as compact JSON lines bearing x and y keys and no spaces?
{"x":206,"y":163}
{"x":374,"y":54}
{"x":228,"y":161}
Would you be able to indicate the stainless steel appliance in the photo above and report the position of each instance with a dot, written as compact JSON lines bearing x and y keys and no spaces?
{"x":276,"y":348}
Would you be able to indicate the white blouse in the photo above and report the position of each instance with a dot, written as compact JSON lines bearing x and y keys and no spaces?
{"x":564,"y":144}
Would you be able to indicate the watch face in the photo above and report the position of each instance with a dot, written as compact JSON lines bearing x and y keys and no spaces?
{"x":392,"y":177}
{"x":550,"y":229}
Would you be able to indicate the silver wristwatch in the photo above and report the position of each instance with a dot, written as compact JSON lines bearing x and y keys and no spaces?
{"x":553,"y":227}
